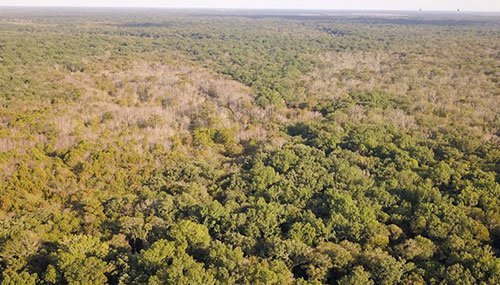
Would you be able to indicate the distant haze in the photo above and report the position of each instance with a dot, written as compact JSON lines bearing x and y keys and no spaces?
{"x":463,"y":5}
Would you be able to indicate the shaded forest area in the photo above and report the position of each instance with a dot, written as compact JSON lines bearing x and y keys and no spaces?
{"x":205,"y":147}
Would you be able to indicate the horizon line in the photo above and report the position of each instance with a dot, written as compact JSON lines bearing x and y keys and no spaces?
{"x":251,"y":9}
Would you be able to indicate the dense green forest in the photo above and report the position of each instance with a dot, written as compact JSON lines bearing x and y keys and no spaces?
{"x":248,"y":147}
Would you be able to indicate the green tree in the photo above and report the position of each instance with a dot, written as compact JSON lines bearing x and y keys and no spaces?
{"x":81,"y":260}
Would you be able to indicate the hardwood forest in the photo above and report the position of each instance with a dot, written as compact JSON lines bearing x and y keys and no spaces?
{"x":150,"y":146}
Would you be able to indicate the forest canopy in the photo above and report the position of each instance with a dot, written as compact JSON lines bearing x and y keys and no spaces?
{"x":226,"y":147}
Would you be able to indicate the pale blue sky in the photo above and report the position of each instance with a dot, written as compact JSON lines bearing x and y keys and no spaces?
{"x":465,"y":5}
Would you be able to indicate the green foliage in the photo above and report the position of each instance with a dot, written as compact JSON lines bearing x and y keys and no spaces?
{"x":23,"y":278}
{"x":191,"y":234}
{"x":158,"y":254}
{"x":420,"y":248}
{"x":80,"y":260}
{"x":358,"y":276}
{"x":168,"y":148}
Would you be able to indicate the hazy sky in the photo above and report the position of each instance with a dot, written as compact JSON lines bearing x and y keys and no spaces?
{"x":465,"y":5}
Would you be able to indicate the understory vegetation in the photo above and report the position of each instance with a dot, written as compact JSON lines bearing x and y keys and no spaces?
{"x":176,"y":147}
